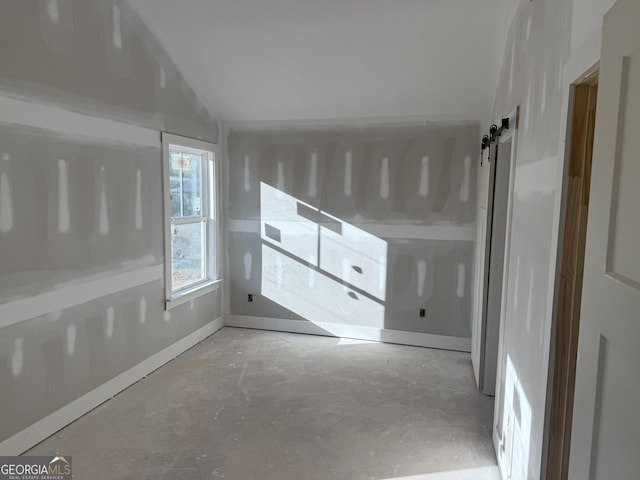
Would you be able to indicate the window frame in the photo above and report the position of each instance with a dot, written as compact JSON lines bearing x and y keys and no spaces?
{"x":210,"y":215}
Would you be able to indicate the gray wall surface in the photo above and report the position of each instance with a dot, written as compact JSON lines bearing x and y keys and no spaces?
{"x":85,"y":91}
{"x":402,"y":199}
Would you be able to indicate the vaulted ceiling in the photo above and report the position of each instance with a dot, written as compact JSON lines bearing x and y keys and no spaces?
{"x":331,"y":59}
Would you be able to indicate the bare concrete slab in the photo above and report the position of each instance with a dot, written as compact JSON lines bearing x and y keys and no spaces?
{"x":250,"y":404}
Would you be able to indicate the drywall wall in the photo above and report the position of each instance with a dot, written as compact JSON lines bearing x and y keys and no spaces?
{"x":550,"y":43}
{"x":359,"y":227}
{"x":84,"y":92}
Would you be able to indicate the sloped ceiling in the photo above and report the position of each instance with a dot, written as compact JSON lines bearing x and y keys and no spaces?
{"x":253,"y":60}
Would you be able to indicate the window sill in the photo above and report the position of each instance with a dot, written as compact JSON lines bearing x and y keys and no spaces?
{"x":184,"y":296}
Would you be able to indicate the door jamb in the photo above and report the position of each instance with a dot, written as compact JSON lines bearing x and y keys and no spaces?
{"x":559,"y":396}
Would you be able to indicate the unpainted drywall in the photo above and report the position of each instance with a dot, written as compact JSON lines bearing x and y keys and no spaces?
{"x":545,"y":38}
{"x":360,"y":226}
{"x":97,"y":58}
{"x":85,"y":91}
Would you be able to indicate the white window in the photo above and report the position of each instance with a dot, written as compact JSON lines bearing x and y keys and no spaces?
{"x":190,"y":210}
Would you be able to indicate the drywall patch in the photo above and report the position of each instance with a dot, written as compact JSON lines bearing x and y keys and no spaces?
{"x":280,"y":176}
{"x":162,"y":77}
{"x":53,"y":11}
{"x":103,"y":222}
{"x":516,"y":287}
{"x":422,"y":274}
{"x":279,"y":271}
{"x":464,"y":189}
{"x":461,"y":280}
{"x":313,"y":175}
{"x":382,"y":273}
{"x":247,"y":173}
{"x":6,"y":203}
{"x":346,"y":273}
{"x":71,"y":339}
{"x":530,"y":300}
{"x":543,"y":95}
{"x":138,"y":200}
{"x":384,"y":178}
{"x":17,"y":359}
{"x":312,"y":273}
{"x":348,"y":172}
{"x":109,"y":325}
{"x":512,"y":66}
{"x":142,"y":310}
{"x":423,"y":188}
{"x":63,"y":197}
{"x":117,"y":31}
{"x":248,"y":265}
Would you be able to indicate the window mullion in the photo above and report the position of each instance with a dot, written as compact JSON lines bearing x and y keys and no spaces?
{"x":181,"y":184}
{"x":187,"y":220}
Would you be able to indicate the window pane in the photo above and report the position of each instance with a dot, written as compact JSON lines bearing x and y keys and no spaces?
{"x":187,"y":254}
{"x":185,"y":183}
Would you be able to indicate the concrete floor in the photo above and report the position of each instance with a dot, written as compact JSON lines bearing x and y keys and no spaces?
{"x":257,"y":405}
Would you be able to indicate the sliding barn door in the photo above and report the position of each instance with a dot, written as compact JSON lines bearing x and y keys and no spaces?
{"x":486,"y":175}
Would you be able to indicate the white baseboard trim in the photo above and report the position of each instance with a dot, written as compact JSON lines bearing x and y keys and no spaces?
{"x":350,"y":331}
{"x":44,"y":428}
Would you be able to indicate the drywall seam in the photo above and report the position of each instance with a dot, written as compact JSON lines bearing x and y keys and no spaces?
{"x":32,"y":435}
{"x":17,"y":311}
{"x":333,"y":123}
{"x":431,"y":232}
{"x":350,"y":331}
{"x":463,"y":233}
{"x":75,"y":125}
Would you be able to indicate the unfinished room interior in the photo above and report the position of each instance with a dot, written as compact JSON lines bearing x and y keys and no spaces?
{"x":304,"y":239}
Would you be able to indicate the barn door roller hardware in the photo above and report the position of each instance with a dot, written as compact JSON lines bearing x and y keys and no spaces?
{"x":494,"y":134}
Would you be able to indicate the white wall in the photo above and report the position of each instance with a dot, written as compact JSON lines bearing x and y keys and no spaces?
{"x":550,"y":44}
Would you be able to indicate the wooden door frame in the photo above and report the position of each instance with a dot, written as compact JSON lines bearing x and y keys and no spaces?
{"x":569,"y":271}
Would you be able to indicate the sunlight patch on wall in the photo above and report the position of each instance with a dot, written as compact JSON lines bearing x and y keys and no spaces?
{"x":516,"y":422}
{"x":309,"y":256}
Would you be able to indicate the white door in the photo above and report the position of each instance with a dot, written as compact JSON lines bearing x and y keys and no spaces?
{"x":483,"y":232}
{"x":605,"y":439}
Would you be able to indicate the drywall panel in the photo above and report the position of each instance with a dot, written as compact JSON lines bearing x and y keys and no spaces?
{"x":85,"y":91}
{"x":78,"y":209}
{"x":50,"y":360}
{"x":356,"y":226}
{"x":97,"y":58}
{"x":545,"y":38}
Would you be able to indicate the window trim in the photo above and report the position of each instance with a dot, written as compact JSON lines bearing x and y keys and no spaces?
{"x":210,"y":198}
